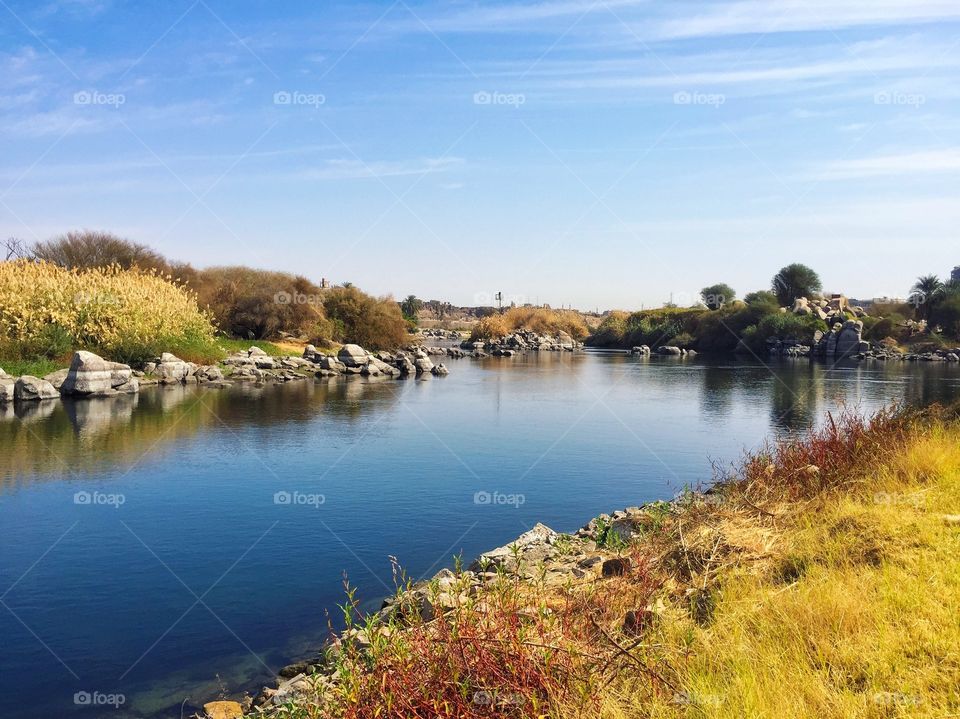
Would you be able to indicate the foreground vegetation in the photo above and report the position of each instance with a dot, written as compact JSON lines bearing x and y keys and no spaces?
{"x":819,"y":578}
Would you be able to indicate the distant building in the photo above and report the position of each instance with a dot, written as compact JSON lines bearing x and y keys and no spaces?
{"x":955,"y":275}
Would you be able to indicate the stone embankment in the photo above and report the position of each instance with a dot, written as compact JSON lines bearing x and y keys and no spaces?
{"x":92,"y":376}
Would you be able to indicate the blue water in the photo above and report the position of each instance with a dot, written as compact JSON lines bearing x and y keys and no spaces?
{"x":183,"y":575}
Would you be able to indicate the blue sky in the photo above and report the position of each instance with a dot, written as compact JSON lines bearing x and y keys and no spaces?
{"x":599,"y":154}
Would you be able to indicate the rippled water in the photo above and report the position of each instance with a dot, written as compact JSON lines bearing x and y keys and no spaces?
{"x":158,"y":546}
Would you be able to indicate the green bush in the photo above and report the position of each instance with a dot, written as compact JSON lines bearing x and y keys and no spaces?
{"x":358,"y":318}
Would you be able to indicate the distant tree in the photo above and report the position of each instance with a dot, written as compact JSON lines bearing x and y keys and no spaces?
{"x":795,"y":281}
{"x":15,"y":249}
{"x":88,"y":248}
{"x":411,"y":307}
{"x":716,"y":296}
{"x":924,"y":295}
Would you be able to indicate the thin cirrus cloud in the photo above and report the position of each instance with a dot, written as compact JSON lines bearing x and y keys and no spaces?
{"x":776,"y":16}
{"x":892,"y":165}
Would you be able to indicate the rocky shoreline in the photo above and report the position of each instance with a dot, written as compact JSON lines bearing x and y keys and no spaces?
{"x":542,"y":554}
{"x":90,"y":375}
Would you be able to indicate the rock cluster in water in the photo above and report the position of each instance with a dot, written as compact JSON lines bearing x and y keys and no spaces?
{"x":523,"y":341}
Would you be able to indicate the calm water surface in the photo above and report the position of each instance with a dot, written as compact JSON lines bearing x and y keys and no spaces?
{"x":156,"y":546}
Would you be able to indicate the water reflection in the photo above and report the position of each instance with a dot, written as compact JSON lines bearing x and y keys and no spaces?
{"x":58,"y":438}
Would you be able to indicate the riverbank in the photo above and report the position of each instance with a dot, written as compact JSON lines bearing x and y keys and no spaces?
{"x":819,"y":577}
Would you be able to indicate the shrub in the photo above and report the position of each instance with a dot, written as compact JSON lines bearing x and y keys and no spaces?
{"x":488,"y":328}
{"x":611,"y":331}
{"x":87,"y":249}
{"x":535,"y":319}
{"x":785,"y":325}
{"x":258,"y":304}
{"x":893,"y":325}
{"x":129,"y":315}
{"x":359,"y":318}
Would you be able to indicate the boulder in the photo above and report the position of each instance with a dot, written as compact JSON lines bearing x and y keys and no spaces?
{"x":256,"y":352}
{"x":6,"y":389}
{"x":171,"y":369}
{"x":383,"y":368}
{"x":440,"y":370}
{"x":849,"y":338}
{"x":669,"y":350}
{"x":640,"y":350}
{"x":31,"y":389}
{"x":91,"y":374}
{"x":423,"y":364}
{"x":57,"y":378}
{"x":405,"y":366}
{"x":353,"y":356}
{"x":330,"y":364}
{"x":209,"y":373}
{"x":533,"y":547}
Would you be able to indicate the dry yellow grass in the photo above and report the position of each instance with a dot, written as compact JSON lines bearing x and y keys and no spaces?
{"x":124,"y":313}
{"x":536,"y":319}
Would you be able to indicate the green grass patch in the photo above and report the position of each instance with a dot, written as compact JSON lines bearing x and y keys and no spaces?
{"x":34,"y":367}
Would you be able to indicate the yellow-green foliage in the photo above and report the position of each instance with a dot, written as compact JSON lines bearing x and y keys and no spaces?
{"x":850,"y":607}
{"x":126,"y":314}
{"x":536,"y":319}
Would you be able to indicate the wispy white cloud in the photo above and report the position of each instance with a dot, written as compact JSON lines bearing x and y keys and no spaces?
{"x":912,"y":163}
{"x":355,"y":169}
{"x":491,"y":18}
{"x":776,"y":16}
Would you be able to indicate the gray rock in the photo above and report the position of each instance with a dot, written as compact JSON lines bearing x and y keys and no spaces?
{"x":330,"y":364}
{"x":256,"y":352}
{"x":57,"y":378}
{"x":533,"y":547}
{"x":669,"y":350}
{"x":171,"y":369}
{"x":210,"y":373}
{"x":353,"y":356}
{"x":91,"y":374}
{"x":440,"y":370}
{"x":6,"y":388}
{"x":30,"y":389}
{"x":423,"y":364}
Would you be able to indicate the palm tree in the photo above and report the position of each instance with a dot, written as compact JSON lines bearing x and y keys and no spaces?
{"x":924,"y":294}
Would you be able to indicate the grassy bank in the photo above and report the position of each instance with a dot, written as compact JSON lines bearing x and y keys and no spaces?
{"x":820,"y":579}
